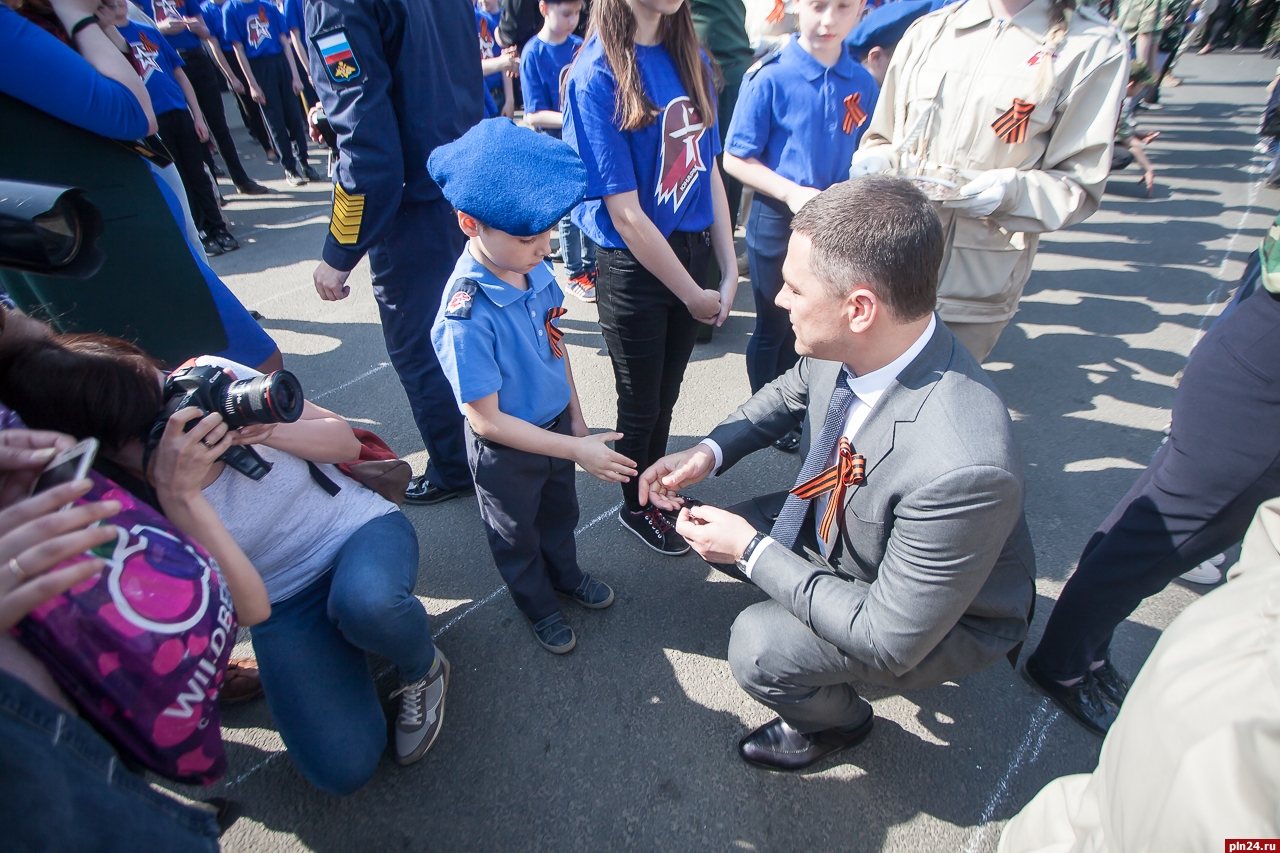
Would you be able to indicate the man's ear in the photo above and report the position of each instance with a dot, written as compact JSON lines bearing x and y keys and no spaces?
{"x":469,"y":225}
{"x":861,"y":307}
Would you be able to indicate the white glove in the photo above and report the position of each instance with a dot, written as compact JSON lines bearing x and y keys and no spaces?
{"x":981,"y":196}
{"x":869,"y":162}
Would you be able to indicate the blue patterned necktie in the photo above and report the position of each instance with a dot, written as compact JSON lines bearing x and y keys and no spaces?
{"x":787,"y":527}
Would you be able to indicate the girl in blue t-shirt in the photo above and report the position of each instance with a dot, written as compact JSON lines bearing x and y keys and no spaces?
{"x":640,"y":110}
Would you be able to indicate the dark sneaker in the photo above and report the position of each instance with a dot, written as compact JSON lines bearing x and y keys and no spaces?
{"x":654,"y":530}
{"x":423,"y":492}
{"x":421,"y":711}
{"x":554,"y":635}
{"x":790,"y":442}
{"x":1111,"y":683}
{"x":582,"y":287}
{"x":226,"y":241}
{"x":592,"y":593}
{"x":252,"y":188}
{"x":312,"y":174}
{"x":212,"y":247}
{"x":1083,"y":701}
{"x":294,"y":179}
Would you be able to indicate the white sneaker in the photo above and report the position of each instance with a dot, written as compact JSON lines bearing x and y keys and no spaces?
{"x":1209,"y":572}
{"x":421,"y":712}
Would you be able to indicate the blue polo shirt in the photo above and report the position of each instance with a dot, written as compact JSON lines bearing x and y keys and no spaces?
{"x":541,"y":64}
{"x":794,"y":116}
{"x":667,"y":162}
{"x":157,"y":60}
{"x":163,"y":10}
{"x":256,"y":24}
{"x":213,"y":20}
{"x":487,"y":27}
{"x":502,"y":345}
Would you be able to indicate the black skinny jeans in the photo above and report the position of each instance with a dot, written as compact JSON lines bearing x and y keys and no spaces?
{"x":650,"y":335}
{"x":178,"y":132}
{"x":205,"y":81}
{"x":283,"y":109}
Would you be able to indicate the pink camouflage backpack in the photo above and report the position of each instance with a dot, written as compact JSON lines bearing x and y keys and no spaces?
{"x":142,"y":647}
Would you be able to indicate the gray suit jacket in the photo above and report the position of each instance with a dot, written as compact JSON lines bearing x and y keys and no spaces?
{"x":932,"y":575}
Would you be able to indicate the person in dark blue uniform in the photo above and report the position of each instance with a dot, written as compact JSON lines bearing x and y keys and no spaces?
{"x":397,"y":79}
{"x":497,"y":338}
{"x":873,"y":40}
{"x":799,"y":119}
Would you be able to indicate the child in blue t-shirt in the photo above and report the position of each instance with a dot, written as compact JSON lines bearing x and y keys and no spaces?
{"x":250,"y":112}
{"x":498,"y":343}
{"x":179,"y":122}
{"x":497,"y":62}
{"x":260,"y":36}
{"x":800,"y":115}
{"x":543,"y":66}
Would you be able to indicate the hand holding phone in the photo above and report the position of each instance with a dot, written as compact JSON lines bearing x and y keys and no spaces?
{"x":67,"y":467}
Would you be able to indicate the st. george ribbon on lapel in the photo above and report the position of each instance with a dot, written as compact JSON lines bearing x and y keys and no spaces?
{"x":850,"y":469}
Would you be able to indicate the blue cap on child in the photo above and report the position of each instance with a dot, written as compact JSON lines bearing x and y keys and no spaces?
{"x":510,"y":178}
{"x":885,"y":26}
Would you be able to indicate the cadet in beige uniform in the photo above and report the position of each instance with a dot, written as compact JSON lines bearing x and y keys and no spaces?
{"x":1027,"y":107}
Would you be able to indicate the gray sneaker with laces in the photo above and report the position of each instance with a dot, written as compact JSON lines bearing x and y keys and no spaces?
{"x":421,"y":712}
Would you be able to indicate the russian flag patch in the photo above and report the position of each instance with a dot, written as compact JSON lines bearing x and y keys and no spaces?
{"x":339,"y":58}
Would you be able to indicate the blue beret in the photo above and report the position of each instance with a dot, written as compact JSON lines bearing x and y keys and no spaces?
{"x":510,"y":178}
{"x":884,"y":27}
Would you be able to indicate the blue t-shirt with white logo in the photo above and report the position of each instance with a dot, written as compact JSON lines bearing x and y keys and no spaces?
{"x":213,"y":20}
{"x":487,"y":27}
{"x":156,"y":60}
{"x":802,"y":119}
{"x":292,"y":11}
{"x":541,"y":64}
{"x":164,"y":10}
{"x":668,"y":162}
{"x":256,"y":24}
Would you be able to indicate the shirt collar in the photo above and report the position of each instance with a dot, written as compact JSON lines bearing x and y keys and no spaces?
{"x":810,"y":68}
{"x":1034,"y":18}
{"x":499,"y":292}
{"x":871,"y":386}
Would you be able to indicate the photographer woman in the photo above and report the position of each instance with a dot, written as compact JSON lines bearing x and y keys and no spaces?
{"x":640,"y":111}
{"x":334,"y":574}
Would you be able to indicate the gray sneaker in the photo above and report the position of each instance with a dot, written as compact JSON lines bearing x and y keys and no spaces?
{"x":421,"y":712}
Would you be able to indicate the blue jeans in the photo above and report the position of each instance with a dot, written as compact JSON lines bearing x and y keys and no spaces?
{"x":772,"y":348}
{"x":576,"y":248}
{"x":62,"y":788}
{"x":311,"y":654}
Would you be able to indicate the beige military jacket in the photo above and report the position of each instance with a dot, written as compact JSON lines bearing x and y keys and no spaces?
{"x":1057,"y":115}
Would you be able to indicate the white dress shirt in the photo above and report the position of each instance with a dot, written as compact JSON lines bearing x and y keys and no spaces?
{"x":868,"y":390}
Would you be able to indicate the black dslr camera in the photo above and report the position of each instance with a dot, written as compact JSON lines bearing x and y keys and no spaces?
{"x":275,"y":398}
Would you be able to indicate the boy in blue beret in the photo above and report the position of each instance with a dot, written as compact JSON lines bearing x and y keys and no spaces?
{"x":799,"y":118}
{"x":497,"y":340}
{"x":873,"y":41}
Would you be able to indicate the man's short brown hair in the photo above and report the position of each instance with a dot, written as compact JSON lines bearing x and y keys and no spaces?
{"x":878,"y":231}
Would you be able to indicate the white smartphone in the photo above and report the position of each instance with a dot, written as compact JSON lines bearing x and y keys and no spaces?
{"x":69,"y":465}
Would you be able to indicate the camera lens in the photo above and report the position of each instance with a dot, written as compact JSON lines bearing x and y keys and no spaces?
{"x":272,"y":399}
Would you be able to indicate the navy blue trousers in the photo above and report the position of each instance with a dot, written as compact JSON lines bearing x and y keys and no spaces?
{"x":772,"y":349}
{"x":411,"y":267}
{"x":529,"y":504}
{"x":1197,"y":497}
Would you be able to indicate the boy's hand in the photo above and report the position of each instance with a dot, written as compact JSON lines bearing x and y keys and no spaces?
{"x":256,"y":94}
{"x":236,"y":85}
{"x":600,"y":461}
{"x":202,"y":129}
{"x":508,"y":109}
{"x":297,"y":86}
{"x":512,"y":65}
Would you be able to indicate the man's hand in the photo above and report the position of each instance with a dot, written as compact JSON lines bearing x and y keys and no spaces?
{"x":717,"y":535}
{"x":23,"y":455}
{"x":331,"y":284}
{"x":256,"y":95}
{"x":601,"y":461}
{"x":664,"y":479}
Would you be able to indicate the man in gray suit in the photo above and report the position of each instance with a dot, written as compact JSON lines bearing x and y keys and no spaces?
{"x":902,"y":556}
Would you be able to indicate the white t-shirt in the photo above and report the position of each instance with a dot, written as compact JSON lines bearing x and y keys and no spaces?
{"x":289,"y":527}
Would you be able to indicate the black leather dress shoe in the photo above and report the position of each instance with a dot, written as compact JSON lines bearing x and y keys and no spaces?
{"x":1111,"y":683}
{"x":1083,"y":701}
{"x":422,"y":492}
{"x":777,"y":746}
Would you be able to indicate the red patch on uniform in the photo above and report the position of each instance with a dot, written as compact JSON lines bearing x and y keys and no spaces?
{"x":459,"y":301}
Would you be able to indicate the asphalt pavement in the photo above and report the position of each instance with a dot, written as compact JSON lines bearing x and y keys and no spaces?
{"x":629,"y":741}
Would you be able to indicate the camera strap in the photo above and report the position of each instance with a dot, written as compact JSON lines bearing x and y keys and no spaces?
{"x":323,"y":480}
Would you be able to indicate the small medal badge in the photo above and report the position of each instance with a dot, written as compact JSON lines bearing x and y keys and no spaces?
{"x":339,"y":58}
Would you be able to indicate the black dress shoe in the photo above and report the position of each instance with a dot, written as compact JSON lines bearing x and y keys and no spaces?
{"x":423,"y":492}
{"x":252,"y":188}
{"x":777,"y":746}
{"x":1083,"y":701}
{"x":1111,"y":683}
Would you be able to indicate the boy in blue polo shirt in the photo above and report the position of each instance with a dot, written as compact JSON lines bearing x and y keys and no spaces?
{"x":799,"y":118}
{"x":542,"y":67}
{"x":260,"y":36}
{"x":498,"y":343}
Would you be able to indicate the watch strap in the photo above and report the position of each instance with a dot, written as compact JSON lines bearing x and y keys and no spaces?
{"x":750,"y":549}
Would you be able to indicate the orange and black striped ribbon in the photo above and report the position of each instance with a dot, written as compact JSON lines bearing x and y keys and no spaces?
{"x":553,"y":332}
{"x":1012,"y":124}
{"x":777,"y":13}
{"x":850,"y":470}
{"x":854,"y":114}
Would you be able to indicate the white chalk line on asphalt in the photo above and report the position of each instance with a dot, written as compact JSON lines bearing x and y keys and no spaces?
{"x":1041,"y":720}
{"x":454,"y":621}
{"x":382,"y":365}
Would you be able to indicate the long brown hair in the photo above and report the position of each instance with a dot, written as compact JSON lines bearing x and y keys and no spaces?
{"x":615,"y":24}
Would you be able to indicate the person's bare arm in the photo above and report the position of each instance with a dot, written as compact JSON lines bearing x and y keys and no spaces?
{"x":202,"y":129}
{"x":293,"y":72}
{"x":651,"y":249}
{"x":215,"y":52}
{"x":589,"y":451}
{"x":97,"y":49}
{"x":318,"y":436}
{"x":751,"y":172}
{"x":722,"y":245}
{"x":1139,"y":152}
{"x":545,"y":119}
{"x":255,"y":91}
{"x":300,"y":50}
{"x":577,"y":421}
